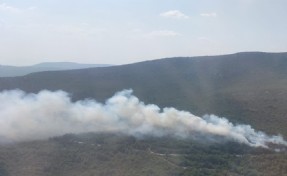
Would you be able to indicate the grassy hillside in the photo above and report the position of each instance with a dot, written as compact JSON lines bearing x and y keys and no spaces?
{"x":244,"y":87}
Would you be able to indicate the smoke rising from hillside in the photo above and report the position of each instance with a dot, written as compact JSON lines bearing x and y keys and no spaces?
{"x":47,"y":114}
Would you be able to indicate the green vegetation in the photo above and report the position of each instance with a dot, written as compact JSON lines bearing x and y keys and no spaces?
{"x":108,"y":154}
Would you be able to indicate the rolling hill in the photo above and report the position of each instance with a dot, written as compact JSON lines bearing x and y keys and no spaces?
{"x":11,"y":71}
{"x":244,"y":87}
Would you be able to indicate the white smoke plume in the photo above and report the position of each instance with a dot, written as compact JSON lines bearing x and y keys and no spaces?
{"x":47,"y":114}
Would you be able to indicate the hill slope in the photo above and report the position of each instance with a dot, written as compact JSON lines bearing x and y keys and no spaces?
{"x":244,"y":87}
{"x":10,"y":71}
{"x":116,"y":155}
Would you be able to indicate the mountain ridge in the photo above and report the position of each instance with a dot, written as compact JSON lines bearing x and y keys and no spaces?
{"x":249,"y":88}
{"x":243,"y":87}
{"x":11,"y":71}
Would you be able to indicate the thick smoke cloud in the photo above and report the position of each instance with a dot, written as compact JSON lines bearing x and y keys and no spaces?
{"x":47,"y":114}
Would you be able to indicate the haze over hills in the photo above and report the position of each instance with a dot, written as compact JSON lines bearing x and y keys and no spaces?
{"x":11,"y":71}
{"x":248,"y":88}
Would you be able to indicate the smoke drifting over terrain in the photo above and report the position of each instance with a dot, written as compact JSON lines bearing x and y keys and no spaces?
{"x":47,"y":114}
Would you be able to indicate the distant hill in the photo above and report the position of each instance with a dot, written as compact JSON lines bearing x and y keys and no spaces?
{"x":11,"y":71}
{"x":244,"y":87}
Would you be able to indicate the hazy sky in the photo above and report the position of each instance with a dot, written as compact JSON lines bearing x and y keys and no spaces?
{"x":125,"y":31}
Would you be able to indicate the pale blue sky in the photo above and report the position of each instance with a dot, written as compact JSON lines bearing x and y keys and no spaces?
{"x":125,"y":31}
